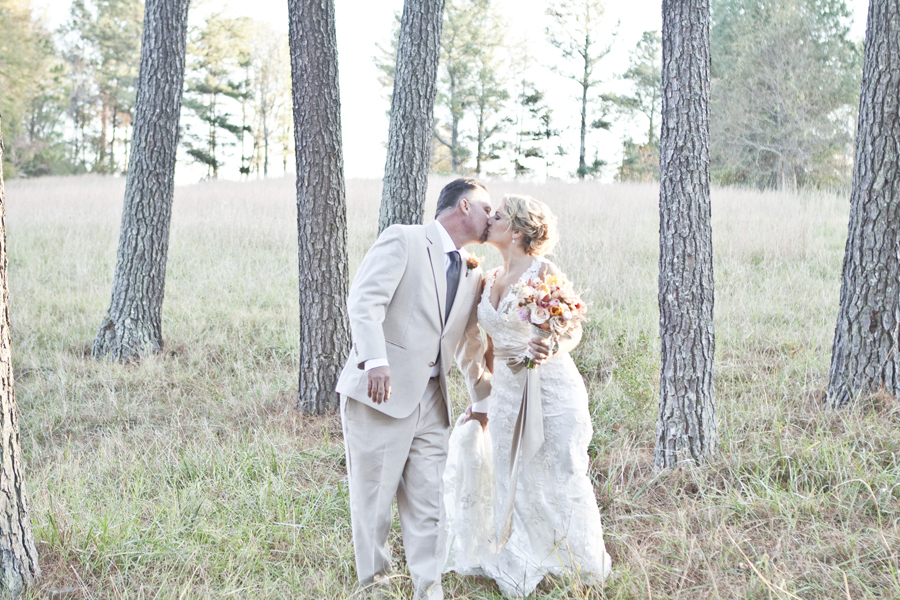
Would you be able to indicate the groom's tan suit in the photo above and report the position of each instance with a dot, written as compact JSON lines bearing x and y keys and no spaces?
{"x":397,"y":314}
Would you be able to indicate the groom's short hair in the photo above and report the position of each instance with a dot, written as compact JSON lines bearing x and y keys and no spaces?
{"x":453,"y":192}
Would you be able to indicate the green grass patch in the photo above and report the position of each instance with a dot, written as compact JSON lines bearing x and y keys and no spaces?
{"x":192,"y":475}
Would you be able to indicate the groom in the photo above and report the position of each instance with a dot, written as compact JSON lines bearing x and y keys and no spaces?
{"x":412,"y":309}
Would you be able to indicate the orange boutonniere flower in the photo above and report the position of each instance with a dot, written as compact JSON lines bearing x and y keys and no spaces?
{"x":472,"y":262}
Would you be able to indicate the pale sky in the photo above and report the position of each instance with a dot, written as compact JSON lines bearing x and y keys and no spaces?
{"x":361,"y":24}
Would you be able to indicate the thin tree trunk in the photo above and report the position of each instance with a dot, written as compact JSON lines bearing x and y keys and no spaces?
{"x":454,"y":144}
{"x":686,"y":425}
{"x":480,"y":140}
{"x":866,"y":352}
{"x":265,"y":133}
{"x":18,"y":554}
{"x":321,"y":207}
{"x":454,"y":122}
{"x":585,"y":87}
{"x":245,"y":160}
{"x":112,"y":139}
{"x":83,"y":142}
{"x":101,"y":158}
{"x":212,"y":138}
{"x":132,"y":327}
{"x":76,"y":147}
{"x":520,"y":125}
{"x":127,"y":142}
{"x":412,"y":114}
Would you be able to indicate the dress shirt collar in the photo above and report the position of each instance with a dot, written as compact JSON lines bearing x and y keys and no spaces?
{"x":447,"y":241}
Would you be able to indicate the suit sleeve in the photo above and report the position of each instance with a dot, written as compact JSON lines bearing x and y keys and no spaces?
{"x":470,"y":356}
{"x":372,"y":290}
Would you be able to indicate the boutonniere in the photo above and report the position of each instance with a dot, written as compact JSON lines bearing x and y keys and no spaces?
{"x":472,"y":262}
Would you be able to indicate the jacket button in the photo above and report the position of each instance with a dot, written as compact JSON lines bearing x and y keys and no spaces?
{"x":431,"y":364}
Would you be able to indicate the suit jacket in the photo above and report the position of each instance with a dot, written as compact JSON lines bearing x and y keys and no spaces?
{"x":396,"y":309}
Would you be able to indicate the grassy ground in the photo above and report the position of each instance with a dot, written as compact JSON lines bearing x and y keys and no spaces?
{"x":192,"y":476}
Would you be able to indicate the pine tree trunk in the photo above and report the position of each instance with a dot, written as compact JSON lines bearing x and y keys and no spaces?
{"x":412,"y":114}
{"x":18,"y":555}
{"x":132,"y":326}
{"x":321,"y":208}
{"x":212,"y":137}
{"x":101,"y":143}
{"x":686,"y":425}
{"x":480,"y":139}
{"x":585,"y":86}
{"x":454,"y":144}
{"x":265,"y":132}
{"x":127,"y":141}
{"x":83,"y":142}
{"x":866,"y":352}
{"x":112,"y":139}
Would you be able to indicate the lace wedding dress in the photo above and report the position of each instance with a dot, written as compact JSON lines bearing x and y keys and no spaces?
{"x":556,"y":526}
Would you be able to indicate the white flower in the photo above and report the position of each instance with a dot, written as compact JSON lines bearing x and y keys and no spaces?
{"x":539,"y":315}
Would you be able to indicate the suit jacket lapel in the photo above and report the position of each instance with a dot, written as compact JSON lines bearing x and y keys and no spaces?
{"x":438,"y":267}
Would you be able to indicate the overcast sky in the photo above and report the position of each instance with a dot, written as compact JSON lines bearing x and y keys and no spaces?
{"x":361,"y":24}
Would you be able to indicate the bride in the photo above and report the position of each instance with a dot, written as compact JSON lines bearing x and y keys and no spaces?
{"x":555,"y":523}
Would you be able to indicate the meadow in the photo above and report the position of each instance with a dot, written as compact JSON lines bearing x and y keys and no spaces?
{"x":191,"y":475}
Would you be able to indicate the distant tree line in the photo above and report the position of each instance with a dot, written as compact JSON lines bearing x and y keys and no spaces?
{"x":785,"y":92}
{"x":67,"y":96}
{"x":784,"y":87}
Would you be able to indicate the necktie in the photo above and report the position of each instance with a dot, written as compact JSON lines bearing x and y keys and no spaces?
{"x":452,"y":282}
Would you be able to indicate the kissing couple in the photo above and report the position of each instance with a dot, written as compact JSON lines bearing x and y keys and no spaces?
{"x":521,"y":505}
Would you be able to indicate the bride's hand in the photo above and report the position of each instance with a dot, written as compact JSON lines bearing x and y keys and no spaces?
{"x":539,"y":348}
{"x":477,"y":416}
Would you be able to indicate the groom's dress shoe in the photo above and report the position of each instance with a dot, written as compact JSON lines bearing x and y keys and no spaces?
{"x":379,"y":589}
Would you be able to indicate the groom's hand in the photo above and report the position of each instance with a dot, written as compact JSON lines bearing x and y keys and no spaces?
{"x":379,"y":380}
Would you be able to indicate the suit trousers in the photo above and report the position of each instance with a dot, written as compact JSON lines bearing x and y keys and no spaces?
{"x":388,"y":457}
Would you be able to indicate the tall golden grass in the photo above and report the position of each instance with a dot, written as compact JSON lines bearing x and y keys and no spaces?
{"x":192,"y":476}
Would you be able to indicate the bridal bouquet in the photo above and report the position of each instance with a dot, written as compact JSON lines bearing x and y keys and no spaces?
{"x":550,"y":305}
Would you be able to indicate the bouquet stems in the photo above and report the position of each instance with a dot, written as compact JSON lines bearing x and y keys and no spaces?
{"x":536,"y":332}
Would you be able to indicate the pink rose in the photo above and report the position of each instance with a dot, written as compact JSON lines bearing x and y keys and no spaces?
{"x":558,"y":325}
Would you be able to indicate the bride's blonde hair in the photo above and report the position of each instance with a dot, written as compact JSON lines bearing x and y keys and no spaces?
{"x":533,"y":219}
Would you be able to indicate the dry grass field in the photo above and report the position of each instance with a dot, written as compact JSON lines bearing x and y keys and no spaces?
{"x":192,"y":476}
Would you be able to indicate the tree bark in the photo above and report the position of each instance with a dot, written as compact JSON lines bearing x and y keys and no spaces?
{"x":18,"y":555}
{"x":132,"y":326}
{"x":412,"y":114}
{"x":480,"y":140}
{"x":321,"y":207}
{"x":100,"y":167}
{"x":585,"y":86}
{"x":454,"y":144}
{"x":112,"y":139}
{"x":865,"y":355}
{"x":686,"y":425}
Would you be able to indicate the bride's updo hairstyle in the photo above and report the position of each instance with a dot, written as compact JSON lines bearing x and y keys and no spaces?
{"x":533,"y":219}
